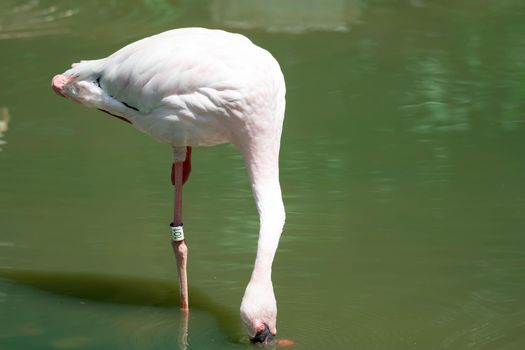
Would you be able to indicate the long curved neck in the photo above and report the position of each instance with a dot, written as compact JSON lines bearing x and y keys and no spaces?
{"x":272,"y":216}
{"x":263,"y":168}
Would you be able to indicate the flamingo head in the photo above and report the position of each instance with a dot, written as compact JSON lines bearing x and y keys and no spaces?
{"x":83,"y":91}
{"x":259,"y":312}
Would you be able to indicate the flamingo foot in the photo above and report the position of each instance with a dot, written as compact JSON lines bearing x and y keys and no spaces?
{"x":283,"y":343}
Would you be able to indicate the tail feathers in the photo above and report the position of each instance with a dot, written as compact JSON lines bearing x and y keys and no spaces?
{"x":85,"y":69}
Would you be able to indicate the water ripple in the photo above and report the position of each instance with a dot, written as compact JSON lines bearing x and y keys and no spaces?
{"x":145,"y":329}
{"x":31,"y":19}
{"x":35,"y":18}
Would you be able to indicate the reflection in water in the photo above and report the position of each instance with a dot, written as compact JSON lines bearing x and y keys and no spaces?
{"x":31,"y":18}
{"x":4,"y":124}
{"x":127,"y":290}
{"x":441,"y":106}
{"x":290,"y":16}
{"x":453,"y":78}
{"x":514,"y":99}
{"x":183,"y":329}
{"x":34,"y":18}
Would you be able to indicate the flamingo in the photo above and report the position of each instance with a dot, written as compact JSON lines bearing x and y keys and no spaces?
{"x":201,"y":87}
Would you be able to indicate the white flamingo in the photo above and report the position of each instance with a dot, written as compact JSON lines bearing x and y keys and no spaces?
{"x":201,"y":87}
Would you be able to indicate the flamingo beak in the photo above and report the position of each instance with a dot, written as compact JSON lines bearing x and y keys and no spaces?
{"x":263,"y":335}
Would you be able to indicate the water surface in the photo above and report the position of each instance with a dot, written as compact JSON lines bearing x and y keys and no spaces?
{"x":402,"y":167}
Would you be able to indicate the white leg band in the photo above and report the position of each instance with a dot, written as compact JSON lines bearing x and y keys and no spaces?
{"x":177,"y":233}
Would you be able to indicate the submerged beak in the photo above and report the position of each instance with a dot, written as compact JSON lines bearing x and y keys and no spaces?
{"x":263,"y":335}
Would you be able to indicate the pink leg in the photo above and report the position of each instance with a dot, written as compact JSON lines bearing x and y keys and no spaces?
{"x":179,"y":247}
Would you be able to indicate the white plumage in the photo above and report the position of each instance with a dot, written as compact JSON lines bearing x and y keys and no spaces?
{"x":201,"y":87}
{"x":189,"y":86}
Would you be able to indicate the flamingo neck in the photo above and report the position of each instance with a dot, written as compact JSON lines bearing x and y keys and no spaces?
{"x":271,"y":212}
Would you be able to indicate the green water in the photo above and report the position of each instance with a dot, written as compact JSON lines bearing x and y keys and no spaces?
{"x":402,"y":167}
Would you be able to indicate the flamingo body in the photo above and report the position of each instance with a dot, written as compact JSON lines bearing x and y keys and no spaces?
{"x":190,"y":86}
{"x":201,"y":87}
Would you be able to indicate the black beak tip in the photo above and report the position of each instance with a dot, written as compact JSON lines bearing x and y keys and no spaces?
{"x":264,"y":336}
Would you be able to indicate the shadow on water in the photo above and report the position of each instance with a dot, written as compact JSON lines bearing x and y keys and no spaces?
{"x":126,"y":290}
